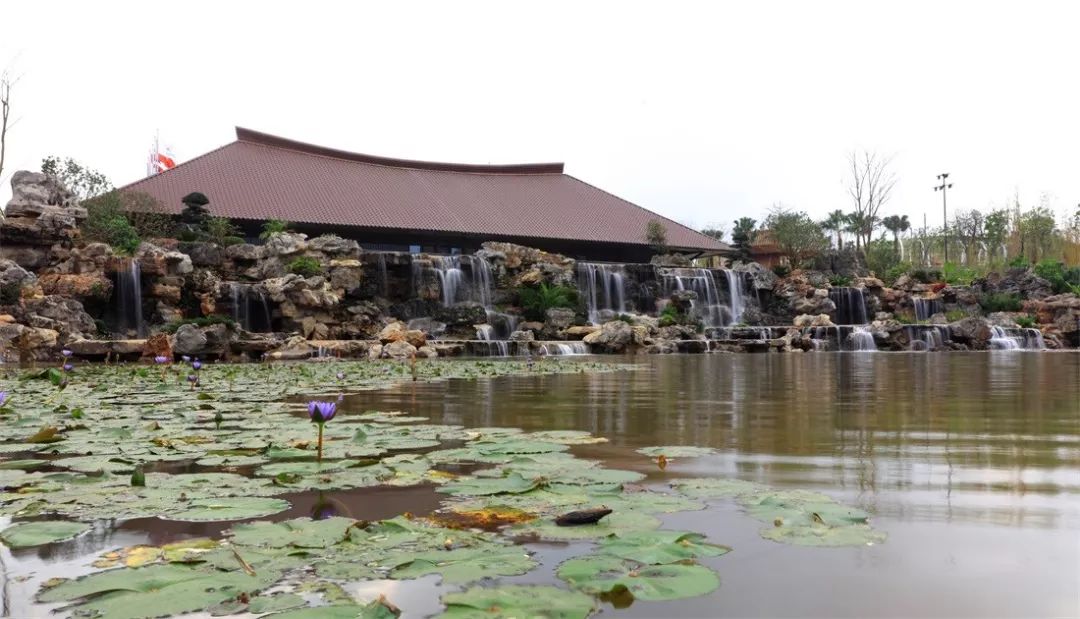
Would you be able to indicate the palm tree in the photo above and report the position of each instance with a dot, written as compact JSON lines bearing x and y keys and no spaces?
{"x":836,"y":222}
{"x":896,"y":224}
{"x":853,"y":224}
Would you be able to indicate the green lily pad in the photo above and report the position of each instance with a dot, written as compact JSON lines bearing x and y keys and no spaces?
{"x":26,"y":534}
{"x":659,"y":547}
{"x":612,"y":524}
{"x":676,"y":451}
{"x":513,"y":483}
{"x":298,"y":533}
{"x":463,"y":565}
{"x":227,"y":508}
{"x":373,"y":610}
{"x":517,"y":601}
{"x":600,"y":574}
{"x":711,"y":488}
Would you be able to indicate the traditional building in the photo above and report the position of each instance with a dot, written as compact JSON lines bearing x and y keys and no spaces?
{"x":404,"y":205}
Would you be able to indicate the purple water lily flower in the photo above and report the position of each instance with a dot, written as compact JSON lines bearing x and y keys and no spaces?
{"x":196,"y":365}
{"x":66,"y":352}
{"x":68,"y":367}
{"x":192,"y":378}
{"x":341,"y":375}
{"x":321,"y":412}
{"x":3,"y":397}
{"x":160,"y":359}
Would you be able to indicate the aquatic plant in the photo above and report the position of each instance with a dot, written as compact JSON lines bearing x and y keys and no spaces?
{"x":66,"y":352}
{"x":321,"y":412}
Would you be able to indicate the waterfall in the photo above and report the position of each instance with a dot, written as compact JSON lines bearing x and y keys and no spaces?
{"x":604,"y":289}
{"x":850,"y":305}
{"x":249,"y":308}
{"x":448,"y":268}
{"x":861,"y":339}
{"x":737,"y":293}
{"x":482,"y":281}
{"x":565,"y":349}
{"x":129,"y":297}
{"x":380,"y":268}
{"x":925,"y":308}
{"x":1020,"y":339}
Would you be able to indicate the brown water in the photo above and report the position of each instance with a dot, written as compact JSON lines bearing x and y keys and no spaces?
{"x":969,"y":462}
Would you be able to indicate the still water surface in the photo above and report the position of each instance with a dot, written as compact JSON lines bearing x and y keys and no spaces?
{"x":970,"y":462}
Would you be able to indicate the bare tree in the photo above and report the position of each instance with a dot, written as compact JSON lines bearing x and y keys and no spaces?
{"x":5,"y":114}
{"x":870,"y":186}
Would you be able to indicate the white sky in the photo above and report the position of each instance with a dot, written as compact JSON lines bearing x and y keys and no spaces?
{"x":703,"y":112}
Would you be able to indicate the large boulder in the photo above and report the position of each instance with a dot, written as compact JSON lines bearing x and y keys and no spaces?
{"x":62,"y":314}
{"x":613,"y":337}
{"x":817,"y":302}
{"x":81,"y":286}
{"x":205,"y":254}
{"x":189,"y":340}
{"x":761,"y":277}
{"x":393,"y":332}
{"x":559,"y":318}
{"x":245,"y":252}
{"x":286,"y":244}
{"x":399,"y":350}
{"x":41,"y":211}
{"x":1018,"y":281}
{"x":333,"y":245}
{"x":461,"y":314}
{"x":973,"y":331}
{"x":12,"y":280}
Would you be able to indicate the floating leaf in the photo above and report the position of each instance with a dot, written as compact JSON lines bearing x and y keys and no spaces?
{"x":463,"y":565}
{"x":298,"y":533}
{"x":26,"y":534}
{"x":228,"y":508}
{"x":676,"y":451}
{"x":517,"y":601}
{"x":658,"y":547}
{"x":615,"y":523}
{"x":602,"y":574}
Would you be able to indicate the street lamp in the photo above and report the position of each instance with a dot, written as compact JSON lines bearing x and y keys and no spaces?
{"x":943,"y":187}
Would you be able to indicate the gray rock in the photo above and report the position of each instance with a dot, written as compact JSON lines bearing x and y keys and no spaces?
{"x":205,"y":254}
{"x":331,"y":244}
{"x":245,"y":252}
{"x":559,"y":318}
{"x":973,"y":331}
{"x":189,"y":340}
{"x":613,"y":337}
{"x":286,"y":244}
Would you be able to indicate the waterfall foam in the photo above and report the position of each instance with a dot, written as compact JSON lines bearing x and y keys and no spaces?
{"x":604,"y":287}
{"x":850,"y":305}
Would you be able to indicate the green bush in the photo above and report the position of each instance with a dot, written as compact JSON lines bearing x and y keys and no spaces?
{"x":670,"y":315}
{"x":958,"y":275}
{"x":1062,"y":279}
{"x":1000,"y":302}
{"x":305,"y":266}
{"x":781,"y":270}
{"x":107,"y":223}
{"x":537,"y":300}
{"x":201,"y":321}
{"x":218,"y":229}
{"x":1019,"y":261}
{"x":896,"y":271}
{"x":840,"y":281}
{"x":232,"y":240}
{"x":926,"y":275}
{"x":880,"y":256}
{"x":1026,"y":321}
{"x":273,"y":227}
{"x":955,"y":314}
{"x":628,"y":319}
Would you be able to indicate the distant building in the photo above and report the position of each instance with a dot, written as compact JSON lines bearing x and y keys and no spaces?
{"x":765,"y":251}
{"x":403,"y":205}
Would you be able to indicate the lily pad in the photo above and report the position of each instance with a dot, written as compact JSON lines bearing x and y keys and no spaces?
{"x":659,"y":547}
{"x":298,"y":533}
{"x":228,"y":508}
{"x":615,"y":523}
{"x":517,"y":601}
{"x":26,"y":534}
{"x":464,"y":565}
{"x":602,"y":574}
{"x":676,"y":451}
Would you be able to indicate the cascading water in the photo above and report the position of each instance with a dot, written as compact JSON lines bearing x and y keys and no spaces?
{"x":380,"y":268}
{"x":448,"y":269}
{"x":604,"y":289}
{"x":925,"y":308}
{"x":737,"y":292}
{"x":850,"y":305}
{"x":1019,"y":339}
{"x":250,"y":309}
{"x":861,"y":339}
{"x":129,"y":297}
{"x":566,"y":349}
{"x":709,"y":307}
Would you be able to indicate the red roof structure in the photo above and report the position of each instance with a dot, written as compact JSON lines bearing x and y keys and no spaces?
{"x":260,"y":177}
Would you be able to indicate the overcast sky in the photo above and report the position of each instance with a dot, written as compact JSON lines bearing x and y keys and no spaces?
{"x":703,"y":112}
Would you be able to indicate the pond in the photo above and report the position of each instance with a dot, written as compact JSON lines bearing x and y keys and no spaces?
{"x":968,"y":464}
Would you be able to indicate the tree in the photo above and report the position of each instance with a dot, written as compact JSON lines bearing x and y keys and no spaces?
{"x":862,"y":227}
{"x":656,"y":235}
{"x":5,"y":115}
{"x":969,"y":229}
{"x":837,"y":223}
{"x":797,"y":236}
{"x":896,"y":224}
{"x":996,"y":231}
{"x":870,"y":187}
{"x":1036,"y":228}
{"x":83,"y":181}
{"x":742,"y":236}
{"x":715,"y":232}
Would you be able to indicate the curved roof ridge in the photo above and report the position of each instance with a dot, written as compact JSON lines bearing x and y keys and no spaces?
{"x":266,"y":139}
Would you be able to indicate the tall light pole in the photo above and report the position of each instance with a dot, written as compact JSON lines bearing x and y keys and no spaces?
{"x":943,"y":187}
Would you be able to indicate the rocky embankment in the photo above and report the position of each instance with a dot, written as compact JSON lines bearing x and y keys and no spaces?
{"x":296,"y":297}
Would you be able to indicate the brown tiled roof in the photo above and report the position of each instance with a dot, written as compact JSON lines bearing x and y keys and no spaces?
{"x":261,"y":177}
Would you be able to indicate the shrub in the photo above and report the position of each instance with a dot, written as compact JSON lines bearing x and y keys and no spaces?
{"x":896,"y":271}
{"x":625,"y":318}
{"x":107,"y":223}
{"x":1061,"y":279}
{"x":201,"y":321}
{"x":880,"y":256}
{"x":670,"y":316}
{"x":305,"y":266}
{"x":839,"y":281}
{"x":232,"y":240}
{"x":958,"y":275}
{"x":218,"y":229}
{"x":1026,"y":321}
{"x":273,"y":227}
{"x":1019,"y":261}
{"x":781,"y":270}
{"x":537,"y":300}
{"x":656,"y":235}
{"x":926,"y":275}
{"x":955,"y":314}
{"x":1000,"y":302}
